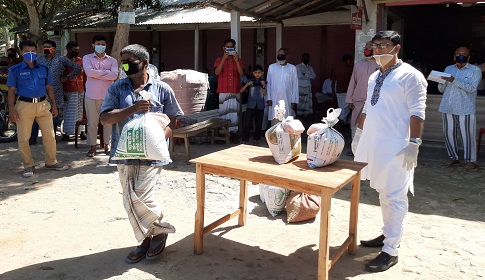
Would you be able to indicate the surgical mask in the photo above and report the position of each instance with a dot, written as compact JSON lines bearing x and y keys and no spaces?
{"x":461,"y":58}
{"x":30,"y":56}
{"x":48,"y":51}
{"x":305,"y":61}
{"x":100,"y":48}
{"x":74,"y":54}
{"x":368,"y":53}
{"x":383,"y":59}
{"x":131,"y":67}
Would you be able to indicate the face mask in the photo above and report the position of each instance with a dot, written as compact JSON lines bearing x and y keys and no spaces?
{"x":100,"y":48}
{"x":12,"y":55}
{"x":48,"y":51}
{"x":131,"y":67}
{"x":30,"y":56}
{"x":305,"y":60}
{"x":281,"y":57}
{"x":74,"y":54}
{"x":461,"y":58}
{"x":383,"y":59}
{"x":368,"y":53}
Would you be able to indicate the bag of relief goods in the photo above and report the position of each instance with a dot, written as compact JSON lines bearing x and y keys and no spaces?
{"x":144,"y":137}
{"x":284,"y":138}
{"x":274,"y":198}
{"x":301,"y":207}
{"x":325,"y":144}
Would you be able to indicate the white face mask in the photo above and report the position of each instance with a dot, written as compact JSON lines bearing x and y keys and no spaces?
{"x":383,"y":59}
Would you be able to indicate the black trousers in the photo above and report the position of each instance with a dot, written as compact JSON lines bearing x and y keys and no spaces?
{"x":250,"y":115}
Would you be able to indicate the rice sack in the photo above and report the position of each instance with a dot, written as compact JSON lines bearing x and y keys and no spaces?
{"x":144,"y":138}
{"x":284,"y":138}
{"x":325,"y":144}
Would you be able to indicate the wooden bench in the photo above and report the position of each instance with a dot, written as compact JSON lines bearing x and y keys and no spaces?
{"x":212,"y":125}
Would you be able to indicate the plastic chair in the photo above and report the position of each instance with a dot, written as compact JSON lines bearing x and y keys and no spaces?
{"x":482,"y":131}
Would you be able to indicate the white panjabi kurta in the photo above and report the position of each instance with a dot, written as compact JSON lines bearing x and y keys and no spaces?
{"x":282,"y":84}
{"x":386,"y":128}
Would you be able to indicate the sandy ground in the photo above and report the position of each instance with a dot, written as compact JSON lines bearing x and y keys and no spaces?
{"x":72,"y":225}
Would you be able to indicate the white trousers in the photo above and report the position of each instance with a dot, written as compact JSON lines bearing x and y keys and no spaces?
{"x":462,"y":128}
{"x":394,"y":207}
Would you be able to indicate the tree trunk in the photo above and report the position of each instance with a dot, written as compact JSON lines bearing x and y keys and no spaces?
{"x":122,"y":32}
{"x":35,"y":32}
{"x":6,"y":36}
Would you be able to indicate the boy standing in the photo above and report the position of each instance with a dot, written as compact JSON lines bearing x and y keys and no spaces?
{"x":255,"y":105}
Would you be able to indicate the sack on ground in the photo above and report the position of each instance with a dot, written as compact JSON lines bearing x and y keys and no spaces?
{"x":274,"y":198}
{"x":325,"y":144}
{"x":144,"y":138}
{"x":301,"y":207}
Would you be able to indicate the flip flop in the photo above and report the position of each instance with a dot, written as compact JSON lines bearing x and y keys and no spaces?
{"x":157,"y":245}
{"x":138,"y":250}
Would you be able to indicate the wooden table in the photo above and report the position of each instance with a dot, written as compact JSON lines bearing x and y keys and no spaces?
{"x":256,"y":164}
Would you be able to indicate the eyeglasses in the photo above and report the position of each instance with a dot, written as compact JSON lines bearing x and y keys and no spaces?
{"x":380,"y":45}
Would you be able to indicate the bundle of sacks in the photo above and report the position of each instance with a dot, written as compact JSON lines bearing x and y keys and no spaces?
{"x":143,"y":137}
{"x":325,"y":144}
{"x":299,"y":206}
{"x":324,"y":147}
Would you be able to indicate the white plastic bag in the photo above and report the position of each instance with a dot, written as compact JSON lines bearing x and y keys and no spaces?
{"x":284,"y":138}
{"x":144,"y":138}
{"x":274,"y":198}
{"x":325,"y":144}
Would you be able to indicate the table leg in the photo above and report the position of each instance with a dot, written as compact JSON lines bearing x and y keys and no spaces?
{"x":354,"y":212}
{"x":243,"y":202}
{"x":187,"y":149}
{"x":323,"y":248}
{"x":199,"y":214}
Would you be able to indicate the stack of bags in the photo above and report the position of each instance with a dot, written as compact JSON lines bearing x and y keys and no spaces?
{"x":324,"y":147}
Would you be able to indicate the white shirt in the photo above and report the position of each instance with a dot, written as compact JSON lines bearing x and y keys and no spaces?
{"x":305,"y":75}
{"x":387,"y":127}
{"x":282,"y":84}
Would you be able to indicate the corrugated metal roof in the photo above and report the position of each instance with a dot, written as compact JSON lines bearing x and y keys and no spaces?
{"x":188,"y":16}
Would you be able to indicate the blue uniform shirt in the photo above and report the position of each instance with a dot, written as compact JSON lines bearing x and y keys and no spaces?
{"x":121,"y":95}
{"x":30,"y":82}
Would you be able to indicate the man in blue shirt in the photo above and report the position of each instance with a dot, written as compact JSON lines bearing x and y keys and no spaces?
{"x":138,"y":178}
{"x":31,"y":81}
{"x":458,"y":106}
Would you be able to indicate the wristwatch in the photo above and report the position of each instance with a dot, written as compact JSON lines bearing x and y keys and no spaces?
{"x":416,"y":140}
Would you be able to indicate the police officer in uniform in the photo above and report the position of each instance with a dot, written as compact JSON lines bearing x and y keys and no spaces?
{"x":33,"y":84}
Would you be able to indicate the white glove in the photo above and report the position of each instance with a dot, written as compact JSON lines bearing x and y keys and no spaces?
{"x":410,"y":153}
{"x":355,"y":141}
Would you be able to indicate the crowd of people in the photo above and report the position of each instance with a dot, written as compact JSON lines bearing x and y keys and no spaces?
{"x":384,"y":97}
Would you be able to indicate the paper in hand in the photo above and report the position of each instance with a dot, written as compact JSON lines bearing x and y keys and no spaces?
{"x":435,"y":76}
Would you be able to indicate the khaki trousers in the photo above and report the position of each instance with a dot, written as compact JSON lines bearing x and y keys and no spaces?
{"x":28,"y":112}
{"x":93,"y":108}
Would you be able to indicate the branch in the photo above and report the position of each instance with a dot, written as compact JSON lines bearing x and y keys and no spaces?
{"x":14,"y":14}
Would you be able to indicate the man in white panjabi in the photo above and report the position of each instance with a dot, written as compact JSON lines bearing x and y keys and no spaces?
{"x":282,"y":84}
{"x":305,"y":76}
{"x":388,"y":139}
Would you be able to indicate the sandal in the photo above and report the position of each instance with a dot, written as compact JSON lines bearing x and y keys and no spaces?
{"x":91,"y":153}
{"x":136,"y":255}
{"x":157,"y":245}
{"x":106,"y":149}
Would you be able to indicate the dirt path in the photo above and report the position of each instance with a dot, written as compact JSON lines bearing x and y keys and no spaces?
{"x":72,"y":225}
